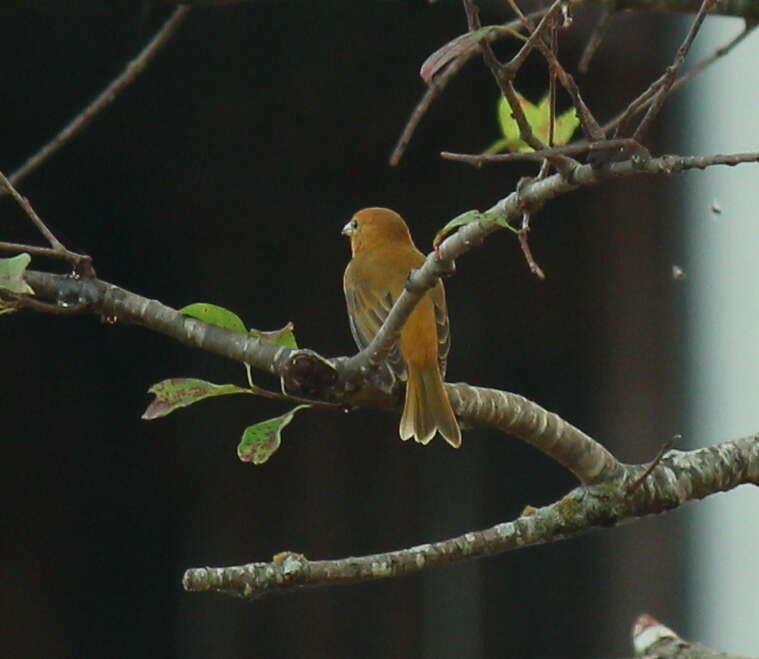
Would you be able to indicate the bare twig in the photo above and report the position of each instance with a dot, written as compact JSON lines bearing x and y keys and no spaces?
{"x":117,"y":85}
{"x":525,"y":245}
{"x":669,"y":75}
{"x":567,"y":150}
{"x":637,"y":105}
{"x":720,"y":52}
{"x":436,"y":87}
{"x":590,"y":126}
{"x":31,"y":249}
{"x":595,"y":40}
{"x":552,"y":89}
{"x":504,"y":74}
{"x":80,"y":261}
{"x":653,"y":464}
{"x":32,"y":215}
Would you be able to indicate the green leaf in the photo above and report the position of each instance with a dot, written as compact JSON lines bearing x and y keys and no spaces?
{"x":261,"y":440}
{"x":538,"y":116}
{"x":214,"y":315}
{"x":12,"y":274}
{"x":172,"y":394}
{"x":468,"y":218}
{"x":284,"y":337}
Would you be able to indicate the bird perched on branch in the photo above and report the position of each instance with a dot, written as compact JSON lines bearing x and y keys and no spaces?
{"x":383,"y":256}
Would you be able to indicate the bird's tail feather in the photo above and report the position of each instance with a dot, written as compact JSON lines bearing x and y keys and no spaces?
{"x":427,"y":409}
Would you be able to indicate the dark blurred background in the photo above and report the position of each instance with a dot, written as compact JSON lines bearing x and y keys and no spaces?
{"x":224,"y":175}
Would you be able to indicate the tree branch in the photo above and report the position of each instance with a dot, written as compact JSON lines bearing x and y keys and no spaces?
{"x":347,"y":381}
{"x":680,"y":477}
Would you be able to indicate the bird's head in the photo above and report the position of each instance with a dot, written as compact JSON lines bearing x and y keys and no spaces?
{"x":371,"y":227}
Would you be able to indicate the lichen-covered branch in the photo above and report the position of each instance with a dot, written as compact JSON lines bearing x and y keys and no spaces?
{"x":679,"y":477}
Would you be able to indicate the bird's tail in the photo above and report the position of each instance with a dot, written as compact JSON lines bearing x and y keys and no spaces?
{"x":427,"y":409}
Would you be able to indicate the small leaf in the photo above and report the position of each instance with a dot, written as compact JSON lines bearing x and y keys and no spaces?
{"x":468,"y":218}
{"x":261,"y":440}
{"x":214,"y":315}
{"x":172,"y":394}
{"x":12,"y":274}
{"x":284,"y":337}
{"x":458,"y":47}
{"x":538,"y":116}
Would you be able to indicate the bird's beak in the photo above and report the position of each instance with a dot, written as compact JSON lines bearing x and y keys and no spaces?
{"x":348,"y":229}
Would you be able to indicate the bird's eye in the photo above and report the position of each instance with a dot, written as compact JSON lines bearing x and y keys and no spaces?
{"x":353,"y":224}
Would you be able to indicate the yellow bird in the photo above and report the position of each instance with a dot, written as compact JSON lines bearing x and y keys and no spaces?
{"x":383,"y":255}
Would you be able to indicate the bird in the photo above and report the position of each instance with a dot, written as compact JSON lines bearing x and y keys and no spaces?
{"x":383,"y":255}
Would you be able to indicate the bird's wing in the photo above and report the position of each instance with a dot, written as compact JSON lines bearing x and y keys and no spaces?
{"x":366,"y":312}
{"x":443,"y":330}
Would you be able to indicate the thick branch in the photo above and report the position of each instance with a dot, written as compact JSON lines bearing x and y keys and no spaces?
{"x":475,"y":406}
{"x":678,"y":478}
{"x":344,"y":381}
{"x":112,"y":301}
{"x":513,"y":414}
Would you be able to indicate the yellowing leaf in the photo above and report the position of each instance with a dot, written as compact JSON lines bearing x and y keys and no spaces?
{"x":172,"y":394}
{"x":261,"y":440}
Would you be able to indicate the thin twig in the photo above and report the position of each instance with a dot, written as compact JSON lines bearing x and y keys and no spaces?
{"x":56,"y":244}
{"x":568,"y":149}
{"x":671,"y":72}
{"x":536,"y":34}
{"x":590,"y":126}
{"x":525,"y":245}
{"x":78,"y":260}
{"x":595,"y":40}
{"x":31,"y":249}
{"x":436,"y":87}
{"x":116,"y":86}
{"x":504,"y":74}
{"x":654,"y":463}
{"x":552,"y":88}
{"x":640,"y":103}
